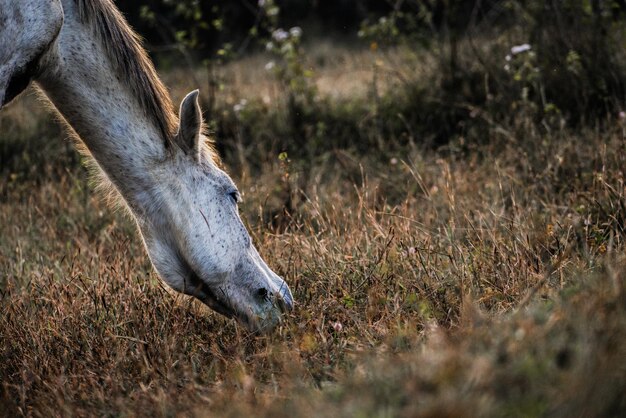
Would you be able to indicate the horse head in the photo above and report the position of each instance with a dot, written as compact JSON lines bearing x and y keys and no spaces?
{"x":196,"y":239}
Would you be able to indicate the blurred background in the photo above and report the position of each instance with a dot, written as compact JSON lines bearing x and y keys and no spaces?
{"x":366,"y":73}
{"x":561,"y":61}
{"x":309,"y":76}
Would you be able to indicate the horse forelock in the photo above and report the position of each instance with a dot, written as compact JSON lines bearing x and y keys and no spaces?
{"x":131,"y":62}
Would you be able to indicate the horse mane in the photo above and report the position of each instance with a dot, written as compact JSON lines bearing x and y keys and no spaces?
{"x":131,"y":62}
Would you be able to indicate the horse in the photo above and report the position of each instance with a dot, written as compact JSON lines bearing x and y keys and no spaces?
{"x":92,"y":67}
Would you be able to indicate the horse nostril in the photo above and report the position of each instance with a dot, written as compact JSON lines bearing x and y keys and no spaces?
{"x":262,"y":292}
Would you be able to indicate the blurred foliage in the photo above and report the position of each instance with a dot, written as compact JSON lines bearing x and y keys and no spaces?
{"x":555,"y":63}
{"x":206,"y":26}
{"x":564,"y":58}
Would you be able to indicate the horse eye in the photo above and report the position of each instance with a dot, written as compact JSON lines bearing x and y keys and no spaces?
{"x":235,"y":196}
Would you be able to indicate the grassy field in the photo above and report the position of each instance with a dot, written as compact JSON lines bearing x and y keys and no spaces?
{"x":462,"y":280}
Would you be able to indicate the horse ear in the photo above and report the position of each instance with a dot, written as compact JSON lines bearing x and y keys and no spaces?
{"x":190,"y":125}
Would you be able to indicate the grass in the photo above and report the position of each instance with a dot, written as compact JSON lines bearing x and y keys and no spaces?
{"x":482,"y":280}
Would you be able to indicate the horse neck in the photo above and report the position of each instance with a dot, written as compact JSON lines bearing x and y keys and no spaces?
{"x":81,"y":82}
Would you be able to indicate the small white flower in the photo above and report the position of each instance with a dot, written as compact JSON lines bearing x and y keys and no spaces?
{"x":337,"y":326}
{"x":296,"y":31}
{"x":508,"y":57}
{"x":518,"y":49}
{"x":240,"y":106}
{"x":622,"y":115}
{"x":280,"y":35}
{"x":270,"y":65}
{"x":507,"y":67}
{"x":261,"y":3}
{"x":269,"y":46}
{"x":393,"y":161}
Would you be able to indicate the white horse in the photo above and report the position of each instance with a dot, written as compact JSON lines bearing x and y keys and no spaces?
{"x":91,"y":66}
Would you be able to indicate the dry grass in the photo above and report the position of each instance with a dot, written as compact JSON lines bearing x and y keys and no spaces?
{"x":428,"y":283}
